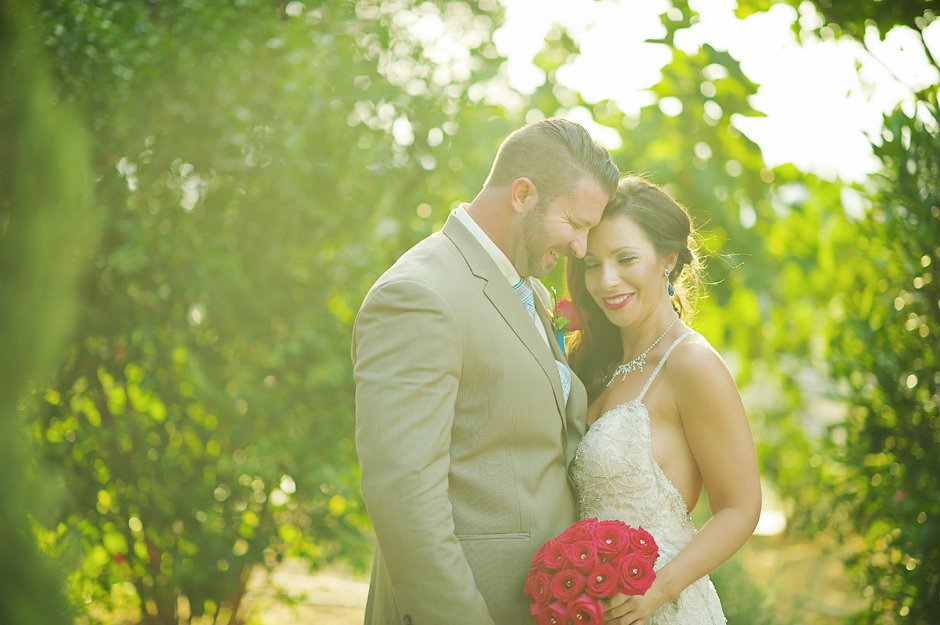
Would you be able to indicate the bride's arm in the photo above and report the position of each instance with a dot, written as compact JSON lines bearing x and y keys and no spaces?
{"x":719,"y":437}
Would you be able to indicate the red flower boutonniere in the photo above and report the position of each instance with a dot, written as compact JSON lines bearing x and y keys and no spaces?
{"x":564,"y":319}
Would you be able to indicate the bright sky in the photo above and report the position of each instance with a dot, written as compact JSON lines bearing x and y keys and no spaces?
{"x":820,"y":110}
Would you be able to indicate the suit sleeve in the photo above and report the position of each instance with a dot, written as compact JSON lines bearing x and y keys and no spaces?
{"x":406,"y":364}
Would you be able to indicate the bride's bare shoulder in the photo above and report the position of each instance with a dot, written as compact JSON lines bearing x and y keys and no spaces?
{"x":695,"y":366}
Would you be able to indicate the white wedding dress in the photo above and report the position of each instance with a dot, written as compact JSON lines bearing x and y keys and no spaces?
{"x":617,"y":478}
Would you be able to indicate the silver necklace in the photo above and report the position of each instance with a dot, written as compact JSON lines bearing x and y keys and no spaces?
{"x":639,"y":362}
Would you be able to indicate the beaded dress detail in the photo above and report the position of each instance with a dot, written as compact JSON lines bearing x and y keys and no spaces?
{"x":617,"y":478}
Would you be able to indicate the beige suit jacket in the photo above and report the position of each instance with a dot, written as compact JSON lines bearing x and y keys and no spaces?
{"x":463,"y":436}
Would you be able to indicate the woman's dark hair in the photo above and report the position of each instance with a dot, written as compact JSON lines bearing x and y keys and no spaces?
{"x":597,"y":347}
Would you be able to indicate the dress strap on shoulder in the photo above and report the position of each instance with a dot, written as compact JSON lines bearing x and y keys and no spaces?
{"x":662,"y":361}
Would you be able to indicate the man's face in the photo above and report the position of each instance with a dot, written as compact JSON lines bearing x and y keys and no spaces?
{"x":554,"y":229}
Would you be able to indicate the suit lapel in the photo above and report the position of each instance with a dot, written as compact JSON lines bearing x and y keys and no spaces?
{"x":541,"y":306}
{"x":576,"y":406}
{"x":544,"y":316}
{"x":507,"y":304}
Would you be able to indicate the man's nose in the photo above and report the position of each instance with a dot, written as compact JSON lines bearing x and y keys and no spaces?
{"x":579,"y":246}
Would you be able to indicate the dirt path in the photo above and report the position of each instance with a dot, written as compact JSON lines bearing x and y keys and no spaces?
{"x":291,"y":594}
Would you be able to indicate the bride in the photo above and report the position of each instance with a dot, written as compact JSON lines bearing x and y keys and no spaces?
{"x":665,"y":418}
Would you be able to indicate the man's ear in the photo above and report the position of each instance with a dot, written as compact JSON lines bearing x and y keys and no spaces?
{"x":522,"y":194}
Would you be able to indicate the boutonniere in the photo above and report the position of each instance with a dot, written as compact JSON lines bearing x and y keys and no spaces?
{"x":564,"y":320}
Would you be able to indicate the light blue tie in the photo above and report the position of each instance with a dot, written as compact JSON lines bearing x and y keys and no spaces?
{"x":527,"y":296}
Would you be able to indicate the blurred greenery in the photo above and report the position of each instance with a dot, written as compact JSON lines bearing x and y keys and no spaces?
{"x":252,"y":167}
{"x":885,"y":472}
{"x":865,"y":285}
{"x":259,"y":166}
{"x":852,"y":17}
{"x":48,"y":225}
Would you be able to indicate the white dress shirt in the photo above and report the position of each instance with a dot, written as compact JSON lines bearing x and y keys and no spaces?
{"x":503,"y":263}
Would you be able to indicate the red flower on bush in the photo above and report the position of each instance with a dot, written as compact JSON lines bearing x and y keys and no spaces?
{"x":589,"y":561}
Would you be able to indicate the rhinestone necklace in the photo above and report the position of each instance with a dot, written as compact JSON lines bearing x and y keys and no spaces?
{"x":639,"y":362}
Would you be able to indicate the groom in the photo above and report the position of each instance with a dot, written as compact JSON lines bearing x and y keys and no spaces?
{"x":466,"y":413}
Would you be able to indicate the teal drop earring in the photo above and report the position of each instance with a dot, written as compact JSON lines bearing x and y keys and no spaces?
{"x":669,"y":289}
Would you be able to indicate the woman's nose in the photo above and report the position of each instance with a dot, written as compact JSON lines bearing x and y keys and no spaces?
{"x":609,"y":276}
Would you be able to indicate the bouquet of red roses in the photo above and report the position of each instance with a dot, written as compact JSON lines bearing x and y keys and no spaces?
{"x":589,"y":561}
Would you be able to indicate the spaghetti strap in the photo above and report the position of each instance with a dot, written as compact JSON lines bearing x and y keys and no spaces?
{"x":661,"y":363}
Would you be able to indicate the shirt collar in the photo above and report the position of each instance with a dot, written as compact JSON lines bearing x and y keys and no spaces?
{"x":503,"y":263}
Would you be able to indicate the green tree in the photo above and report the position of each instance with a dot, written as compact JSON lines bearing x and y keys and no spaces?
{"x":867,"y":283}
{"x":258,"y":166}
{"x":48,"y":226}
{"x":805,"y":270}
{"x":889,"y":445}
{"x":854,"y":17}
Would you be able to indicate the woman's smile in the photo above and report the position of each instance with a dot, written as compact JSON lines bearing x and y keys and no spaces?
{"x":617,"y":301}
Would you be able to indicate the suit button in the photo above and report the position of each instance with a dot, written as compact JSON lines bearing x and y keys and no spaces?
{"x":407,"y":619}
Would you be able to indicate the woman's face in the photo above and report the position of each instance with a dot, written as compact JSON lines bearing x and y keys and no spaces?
{"x":623,"y":273}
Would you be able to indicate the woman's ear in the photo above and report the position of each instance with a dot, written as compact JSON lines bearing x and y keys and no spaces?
{"x":670,"y":260}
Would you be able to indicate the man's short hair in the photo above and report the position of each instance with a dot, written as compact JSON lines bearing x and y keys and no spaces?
{"x":554,"y":154}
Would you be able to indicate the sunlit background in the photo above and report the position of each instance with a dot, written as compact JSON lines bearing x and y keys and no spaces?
{"x":823,"y":100}
{"x":194,"y":199}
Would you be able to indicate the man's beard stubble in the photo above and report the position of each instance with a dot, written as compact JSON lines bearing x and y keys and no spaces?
{"x":534,"y":239}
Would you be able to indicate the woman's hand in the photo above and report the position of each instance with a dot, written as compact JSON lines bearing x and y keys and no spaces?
{"x":634,"y":609}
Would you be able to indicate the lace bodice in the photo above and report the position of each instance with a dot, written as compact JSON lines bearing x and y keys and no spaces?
{"x":617,"y":478}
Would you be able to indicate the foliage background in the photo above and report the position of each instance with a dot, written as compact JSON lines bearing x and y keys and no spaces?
{"x":197,"y":196}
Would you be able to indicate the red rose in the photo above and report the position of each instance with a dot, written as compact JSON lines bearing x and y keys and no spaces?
{"x":612,"y":538}
{"x":636,"y":574}
{"x":540,"y":554}
{"x":552,"y":614}
{"x":602,"y":581}
{"x":642,"y":541}
{"x":538,"y":587}
{"x":554,"y":556}
{"x":591,"y":560}
{"x":584,"y":609}
{"x":565,"y":309}
{"x":567,"y":584}
{"x":582,"y":555}
{"x":535,"y":610}
{"x":577,"y":533}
